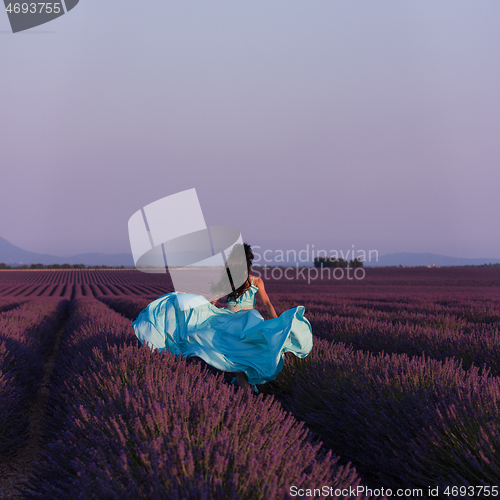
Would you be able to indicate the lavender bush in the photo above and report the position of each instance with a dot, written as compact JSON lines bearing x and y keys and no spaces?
{"x":126,"y":422}
{"x":90,"y":324}
{"x":14,"y":420}
{"x":162,"y":429}
{"x":445,"y":327}
{"x":142,"y":425}
{"x":406,"y":422}
{"x":130,"y":307}
{"x":26,"y":336}
{"x":6,"y":304}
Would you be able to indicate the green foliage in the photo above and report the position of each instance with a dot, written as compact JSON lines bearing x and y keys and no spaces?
{"x":356,"y":263}
{"x":329,"y":262}
{"x":332,"y":262}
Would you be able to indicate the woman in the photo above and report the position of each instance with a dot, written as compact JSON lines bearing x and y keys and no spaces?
{"x":233,"y":339}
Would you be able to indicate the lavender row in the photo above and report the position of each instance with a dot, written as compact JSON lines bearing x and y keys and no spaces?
{"x":403,"y":333}
{"x":34,"y":323}
{"x":87,"y":276}
{"x":413,"y":325}
{"x":26,"y":336}
{"x":440,"y":310}
{"x":137,"y":424}
{"x":75,"y":291}
{"x":8,"y":303}
{"x":375,"y":278}
{"x":407,"y":422}
{"x":130,"y":307}
{"x":91,"y":325}
{"x":376,"y":336}
{"x":14,"y":419}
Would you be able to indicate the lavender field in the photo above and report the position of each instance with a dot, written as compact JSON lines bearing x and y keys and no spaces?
{"x":401,"y":393}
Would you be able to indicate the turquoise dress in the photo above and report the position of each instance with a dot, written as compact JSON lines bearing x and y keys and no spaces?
{"x":235,"y":339}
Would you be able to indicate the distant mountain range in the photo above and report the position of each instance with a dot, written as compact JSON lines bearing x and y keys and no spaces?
{"x":15,"y":256}
{"x":426,"y":259}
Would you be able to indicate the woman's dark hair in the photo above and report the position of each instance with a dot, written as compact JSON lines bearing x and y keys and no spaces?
{"x":233,"y":260}
{"x":241,"y":257}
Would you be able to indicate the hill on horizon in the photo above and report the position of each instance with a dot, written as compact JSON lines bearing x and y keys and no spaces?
{"x":426,"y":259}
{"x":14,"y":256}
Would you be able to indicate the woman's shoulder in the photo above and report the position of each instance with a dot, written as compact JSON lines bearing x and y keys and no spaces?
{"x":256,"y":281}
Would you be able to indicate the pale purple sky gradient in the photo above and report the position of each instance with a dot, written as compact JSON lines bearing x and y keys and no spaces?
{"x":374,"y":123}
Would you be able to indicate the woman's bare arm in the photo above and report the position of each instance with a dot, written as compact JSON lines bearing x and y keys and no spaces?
{"x":265,"y":299}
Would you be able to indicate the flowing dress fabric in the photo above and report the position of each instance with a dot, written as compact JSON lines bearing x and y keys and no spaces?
{"x":228,"y":339}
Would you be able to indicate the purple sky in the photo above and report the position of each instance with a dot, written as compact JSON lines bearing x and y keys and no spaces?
{"x":333,"y":123}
